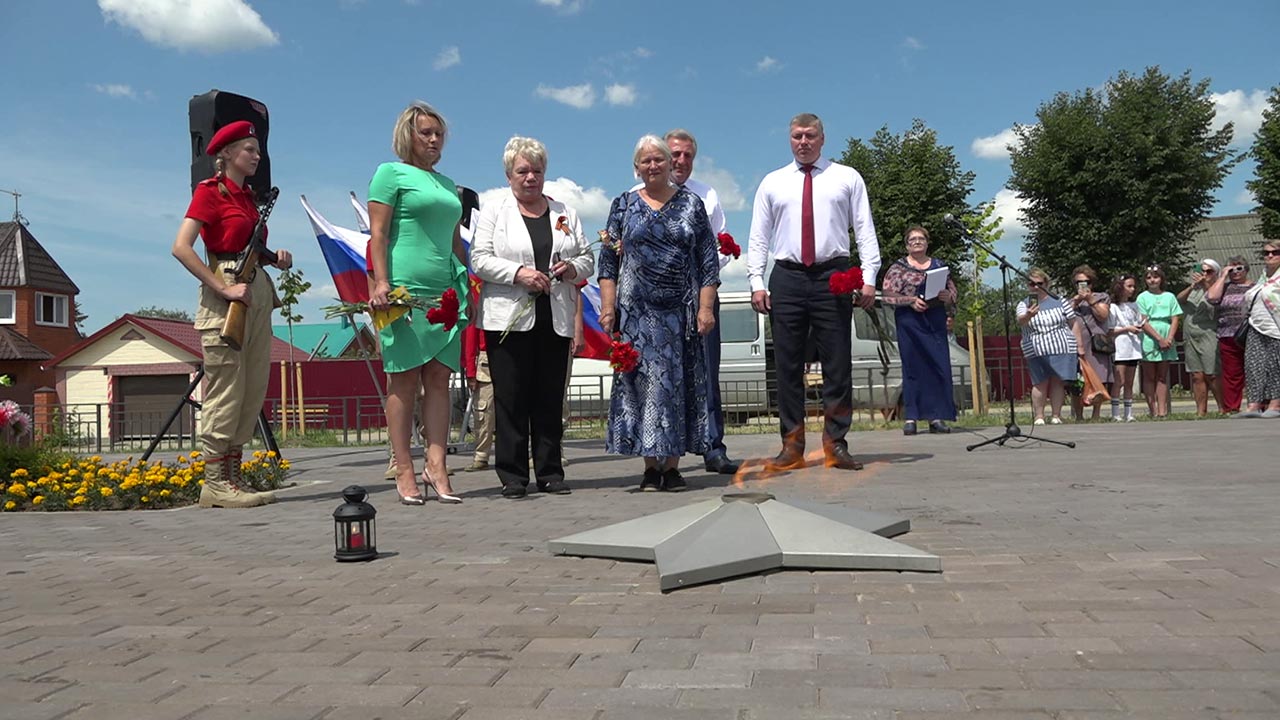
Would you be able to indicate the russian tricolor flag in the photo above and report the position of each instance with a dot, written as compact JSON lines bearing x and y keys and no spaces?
{"x":344,"y":253}
{"x":596,"y":341}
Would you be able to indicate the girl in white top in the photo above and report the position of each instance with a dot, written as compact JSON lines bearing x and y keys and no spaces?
{"x":1125,"y":325}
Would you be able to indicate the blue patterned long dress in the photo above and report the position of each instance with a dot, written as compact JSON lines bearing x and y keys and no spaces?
{"x":660,"y":408}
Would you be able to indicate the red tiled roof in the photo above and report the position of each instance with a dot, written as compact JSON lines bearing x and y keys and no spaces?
{"x":178,"y":333}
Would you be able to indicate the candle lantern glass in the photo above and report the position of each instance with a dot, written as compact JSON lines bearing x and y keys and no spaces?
{"x":354,"y":529}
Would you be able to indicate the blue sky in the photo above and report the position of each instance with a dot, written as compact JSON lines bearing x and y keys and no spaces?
{"x":95,"y":133}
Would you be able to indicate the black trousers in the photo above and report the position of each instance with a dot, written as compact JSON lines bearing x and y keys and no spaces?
{"x":528,"y":370}
{"x":803,"y":306}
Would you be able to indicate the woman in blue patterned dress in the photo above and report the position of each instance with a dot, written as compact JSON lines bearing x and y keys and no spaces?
{"x":659,"y":274}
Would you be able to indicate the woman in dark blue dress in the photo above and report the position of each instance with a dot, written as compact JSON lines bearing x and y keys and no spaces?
{"x":660,"y":271}
{"x":922,"y":336}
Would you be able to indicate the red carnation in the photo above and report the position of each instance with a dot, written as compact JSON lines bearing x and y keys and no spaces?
{"x":447,"y":313}
{"x":728,"y":246}
{"x":623,"y":357}
{"x":847,"y":282}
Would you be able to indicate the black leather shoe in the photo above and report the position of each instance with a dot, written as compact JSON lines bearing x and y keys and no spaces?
{"x":555,"y":487}
{"x":514,"y":492}
{"x":839,"y":457}
{"x":909,"y":427}
{"x":652,"y":480}
{"x":722,"y":465}
{"x":673,"y":481}
{"x":786,"y":460}
{"x":937,"y":426}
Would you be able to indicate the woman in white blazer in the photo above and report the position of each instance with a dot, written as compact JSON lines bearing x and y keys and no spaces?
{"x":529,"y":251}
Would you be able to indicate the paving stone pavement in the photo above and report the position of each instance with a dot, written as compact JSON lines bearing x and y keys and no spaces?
{"x":1137,"y":576}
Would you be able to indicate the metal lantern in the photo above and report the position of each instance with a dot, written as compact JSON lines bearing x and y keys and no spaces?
{"x":353,"y":527}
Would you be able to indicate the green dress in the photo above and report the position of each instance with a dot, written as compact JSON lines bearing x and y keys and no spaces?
{"x":425,"y":209}
{"x":1160,"y":310}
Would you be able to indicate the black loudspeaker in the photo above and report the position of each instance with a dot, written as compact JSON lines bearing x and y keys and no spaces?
{"x":207,"y":114}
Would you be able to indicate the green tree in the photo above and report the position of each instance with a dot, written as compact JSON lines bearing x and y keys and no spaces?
{"x":976,"y":300}
{"x":292,"y":287}
{"x":164,"y":313}
{"x":912,"y":180}
{"x":1119,"y":177}
{"x":1266,"y":183}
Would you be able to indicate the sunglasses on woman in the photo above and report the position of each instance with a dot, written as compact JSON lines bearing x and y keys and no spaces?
{"x":1271,"y":253}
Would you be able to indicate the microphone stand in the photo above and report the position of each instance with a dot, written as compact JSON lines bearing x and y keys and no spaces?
{"x":1011,"y":429}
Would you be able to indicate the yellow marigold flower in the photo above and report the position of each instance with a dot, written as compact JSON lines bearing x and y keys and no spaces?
{"x":10,"y":505}
{"x":78,"y":500}
{"x":95,"y":459}
{"x":18,"y":489}
{"x":182,"y":459}
{"x":165,"y":493}
{"x":19,"y":473}
{"x":106,"y":492}
{"x":72,"y":472}
{"x":37,"y":500}
{"x":272,"y":453}
{"x":145,"y":498}
{"x":81,"y":491}
{"x":196,"y":453}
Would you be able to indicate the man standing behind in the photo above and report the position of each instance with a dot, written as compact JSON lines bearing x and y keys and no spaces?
{"x":684,"y":149}
{"x":802,"y":216}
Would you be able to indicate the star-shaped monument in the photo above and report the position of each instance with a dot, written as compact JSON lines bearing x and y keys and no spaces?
{"x":745,"y":533}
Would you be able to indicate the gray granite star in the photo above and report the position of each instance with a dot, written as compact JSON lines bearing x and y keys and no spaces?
{"x":745,"y":533}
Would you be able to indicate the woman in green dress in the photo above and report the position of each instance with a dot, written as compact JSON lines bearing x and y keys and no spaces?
{"x":1162,"y":311}
{"x":414,"y":243}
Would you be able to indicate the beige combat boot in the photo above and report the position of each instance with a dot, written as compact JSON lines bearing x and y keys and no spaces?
{"x":218,"y":490}
{"x":235,"y":463}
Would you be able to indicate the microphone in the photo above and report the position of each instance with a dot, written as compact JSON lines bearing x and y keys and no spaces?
{"x":954,"y":222}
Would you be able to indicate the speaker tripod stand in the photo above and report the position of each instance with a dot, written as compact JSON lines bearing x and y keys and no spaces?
{"x":1011,"y":429}
{"x":264,"y":427}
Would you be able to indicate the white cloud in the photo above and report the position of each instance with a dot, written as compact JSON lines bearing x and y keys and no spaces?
{"x":768,"y":64}
{"x":1245,"y":198}
{"x":448,"y":57}
{"x":205,"y":25}
{"x":115,"y":90}
{"x":642,"y":52}
{"x":579,"y":96}
{"x":994,"y":146}
{"x":726,"y":186}
{"x":564,"y":7}
{"x":912,"y":43}
{"x":1008,"y":208}
{"x":620,"y":95}
{"x":591,"y":204}
{"x":1244,"y":111}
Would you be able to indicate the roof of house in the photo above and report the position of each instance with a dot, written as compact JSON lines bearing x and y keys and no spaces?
{"x":179,"y":333}
{"x":1221,"y":237}
{"x":324,"y":339}
{"x":25,"y":263}
{"x":14,"y":346}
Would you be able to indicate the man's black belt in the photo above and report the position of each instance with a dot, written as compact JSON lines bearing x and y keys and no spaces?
{"x":223,"y":257}
{"x":835,"y":263}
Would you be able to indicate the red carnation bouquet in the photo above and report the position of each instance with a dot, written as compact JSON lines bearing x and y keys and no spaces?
{"x":447,"y":313}
{"x":848,"y":282}
{"x":623,"y":357}
{"x":728,"y":246}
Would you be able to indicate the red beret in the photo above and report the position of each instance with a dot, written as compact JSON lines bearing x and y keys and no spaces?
{"x":230,"y":133}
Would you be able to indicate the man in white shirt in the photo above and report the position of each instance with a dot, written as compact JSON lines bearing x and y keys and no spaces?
{"x":802,"y":217}
{"x":684,"y":149}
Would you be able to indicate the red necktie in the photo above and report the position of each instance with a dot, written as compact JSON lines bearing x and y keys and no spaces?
{"x":806,"y":218}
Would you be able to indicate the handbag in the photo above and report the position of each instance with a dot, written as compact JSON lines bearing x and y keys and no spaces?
{"x":1242,"y":332}
{"x":1101,"y":344}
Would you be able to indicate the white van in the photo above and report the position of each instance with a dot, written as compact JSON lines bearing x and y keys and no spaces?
{"x":747,"y":371}
{"x":747,"y":379}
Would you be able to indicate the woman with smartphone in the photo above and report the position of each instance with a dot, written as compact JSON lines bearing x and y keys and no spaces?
{"x":1051,"y":344}
{"x":1093,"y":309}
{"x":1227,"y":293}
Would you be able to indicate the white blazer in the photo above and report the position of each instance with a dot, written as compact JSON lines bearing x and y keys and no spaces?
{"x":501,"y":246}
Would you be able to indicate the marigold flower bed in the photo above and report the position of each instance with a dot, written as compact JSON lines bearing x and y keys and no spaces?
{"x":91,"y":484}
